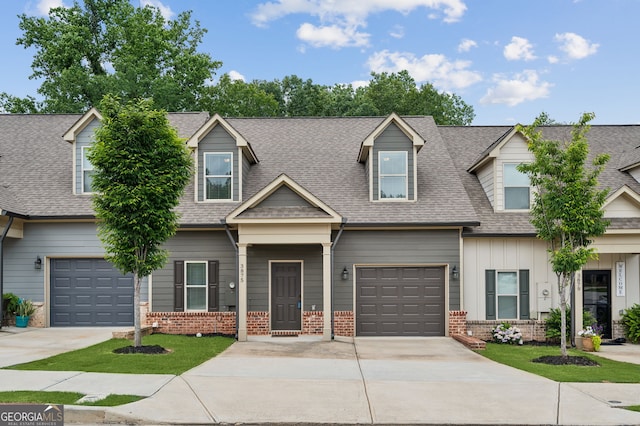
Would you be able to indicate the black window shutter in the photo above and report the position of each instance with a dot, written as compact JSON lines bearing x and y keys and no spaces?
{"x":213,"y":286}
{"x":178,"y":286}
{"x":524,"y":294}
{"x":490,"y":292}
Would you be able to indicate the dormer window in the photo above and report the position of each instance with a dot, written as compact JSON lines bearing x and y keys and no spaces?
{"x":516,"y":188}
{"x":393,"y":177}
{"x":87,"y":171}
{"x":218,"y":175}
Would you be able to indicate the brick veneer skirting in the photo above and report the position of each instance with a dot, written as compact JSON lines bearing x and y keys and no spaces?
{"x":312,"y":322}
{"x":530,"y":329}
{"x":192,"y":322}
{"x":258,"y":323}
{"x":457,"y":322}
{"x":343,"y":324}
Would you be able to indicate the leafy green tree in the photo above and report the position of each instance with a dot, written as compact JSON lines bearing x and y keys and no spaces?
{"x":235,"y":98}
{"x":141,"y":169}
{"x":567,"y":211}
{"x":111,"y":47}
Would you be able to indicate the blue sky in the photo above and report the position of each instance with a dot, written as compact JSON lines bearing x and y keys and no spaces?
{"x":510,"y":60}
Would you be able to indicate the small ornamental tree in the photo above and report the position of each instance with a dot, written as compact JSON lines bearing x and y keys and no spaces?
{"x":141,"y":169}
{"x":567,"y":210}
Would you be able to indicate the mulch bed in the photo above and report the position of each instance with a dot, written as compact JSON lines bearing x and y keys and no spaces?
{"x":149,"y":350}
{"x":568,"y":360}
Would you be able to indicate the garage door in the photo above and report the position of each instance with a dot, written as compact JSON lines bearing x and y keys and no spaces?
{"x":400,"y":301}
{"x":90,"y":292}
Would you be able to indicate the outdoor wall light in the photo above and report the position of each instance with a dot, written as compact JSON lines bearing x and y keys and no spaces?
{"x":454,"y":272}
{"x":38,"y":263}
{"x":345,"y":274}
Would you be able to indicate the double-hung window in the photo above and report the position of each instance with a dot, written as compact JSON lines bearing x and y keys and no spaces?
{"x":507,"y":294}
{"x":218,"y":175}
{"x":196,"y":286}
{"x":393,"y":177}
{"x":516,"y":188}
{"x":87,"y":171}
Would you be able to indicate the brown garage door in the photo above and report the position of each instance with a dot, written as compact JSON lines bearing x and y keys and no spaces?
{"x":400,"y":301}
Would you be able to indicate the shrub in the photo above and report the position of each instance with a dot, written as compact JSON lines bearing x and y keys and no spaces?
{"x":505,"y":333}
{"x":9,"y":304}
{"x":553,"y":323}
{"x":631,"y":323}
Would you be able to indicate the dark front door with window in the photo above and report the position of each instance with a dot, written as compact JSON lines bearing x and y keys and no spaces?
{"x":596,"y":298}
{"x":286,"y":293}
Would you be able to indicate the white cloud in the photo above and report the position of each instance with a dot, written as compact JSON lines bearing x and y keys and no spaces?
{"x":436,"y":69}
{"x":466,"y":45}
{"x":397,"y":32}
{"x":344,"y":18}
{"x":553,"y":59}
{"x":165,"y":11}
{"x":359,"y":83}
{"x":43,"y":6}
{"x":235,"y":75}
{"x":519,"y":49}
{"x":575,"y":46}
{"x":525,"y":86}
{"x":332,"y":36}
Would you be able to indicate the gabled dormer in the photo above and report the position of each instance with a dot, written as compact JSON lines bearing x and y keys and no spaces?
{"x":81,"y":136}
{"x":623,"y":203}
{"x":389,"y":153}
{"x":507,"y":189}
{"x":222,"y":160}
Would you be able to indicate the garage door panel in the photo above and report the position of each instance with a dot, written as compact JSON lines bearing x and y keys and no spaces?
{"x":400,"y":301}
{"x":90,"y":292}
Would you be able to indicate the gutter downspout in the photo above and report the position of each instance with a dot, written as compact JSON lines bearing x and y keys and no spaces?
{"x":5,"y":231}
{"x":333,"y":246}
{"x":235,"y":247}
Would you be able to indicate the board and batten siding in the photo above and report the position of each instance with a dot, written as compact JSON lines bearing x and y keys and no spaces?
{"x":218,"y":140}
{"x":258,"y":272}
{"x":47,"y":240}
{"x":402,"y":248}
{"x":506,"y":254}
{"x":85,"y":138}
{"x":515,"y":152}
{"x":393,"y":139}
{"x":196,"y":246}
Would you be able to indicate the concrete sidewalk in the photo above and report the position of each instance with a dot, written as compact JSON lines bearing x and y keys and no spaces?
{"x":374,"y":381}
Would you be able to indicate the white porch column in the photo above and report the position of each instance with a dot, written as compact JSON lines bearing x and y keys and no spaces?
{"x":326,"y":290}
{"x":242,"y":292}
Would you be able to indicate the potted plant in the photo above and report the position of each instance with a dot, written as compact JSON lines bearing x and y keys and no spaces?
{"x":24,"y":310}
{"x":591,"y":339}
{"x":9,"y":304}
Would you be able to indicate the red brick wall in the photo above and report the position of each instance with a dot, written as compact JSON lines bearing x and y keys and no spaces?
{"x":457,"y":322}
{"x":192,"y":322}
{"x":343,"y":323}
{"x":258,"y":323}
{"x":312,"y":322}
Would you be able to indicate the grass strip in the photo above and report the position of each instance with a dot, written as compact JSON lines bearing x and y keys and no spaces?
{"x":65,"y":398}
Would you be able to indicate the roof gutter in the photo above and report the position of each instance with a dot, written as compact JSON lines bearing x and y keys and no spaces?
{"x":412,"y":224}
{"x":5,"y":231}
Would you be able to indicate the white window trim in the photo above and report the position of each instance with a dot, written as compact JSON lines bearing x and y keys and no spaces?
{"x":504,"y":190}
{"x":82,"y":170}
{"x":206,"y":285}
{"x":517,"y":294}
{"x":205,"y":176}
{"x":405,"y":175}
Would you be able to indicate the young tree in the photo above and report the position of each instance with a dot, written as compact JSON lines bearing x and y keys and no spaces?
{"x":109,"y":46}
{"x":567,"y":210}
{"x":141,"y":169}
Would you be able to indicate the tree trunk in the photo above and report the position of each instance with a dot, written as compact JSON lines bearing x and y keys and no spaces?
{"x":137,"y":335}
{"x":563,"y":314}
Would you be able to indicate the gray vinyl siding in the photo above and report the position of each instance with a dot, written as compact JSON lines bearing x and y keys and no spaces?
{"x":246,"y":166}
{"x":47,"y":240}
{"x":284,"y":197}
{"x":192,"y":246}
{"x":84,"y":138}
{"x":218,"y":140}
{"x":393,"y":139}
{"x":258,"y":258}
{"x":397,"y":248}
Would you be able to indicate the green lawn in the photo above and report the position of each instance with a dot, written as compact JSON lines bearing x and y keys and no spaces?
{"x":521,"y":357}
{"x":186,"y":352}
{"x":67,"y":398}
